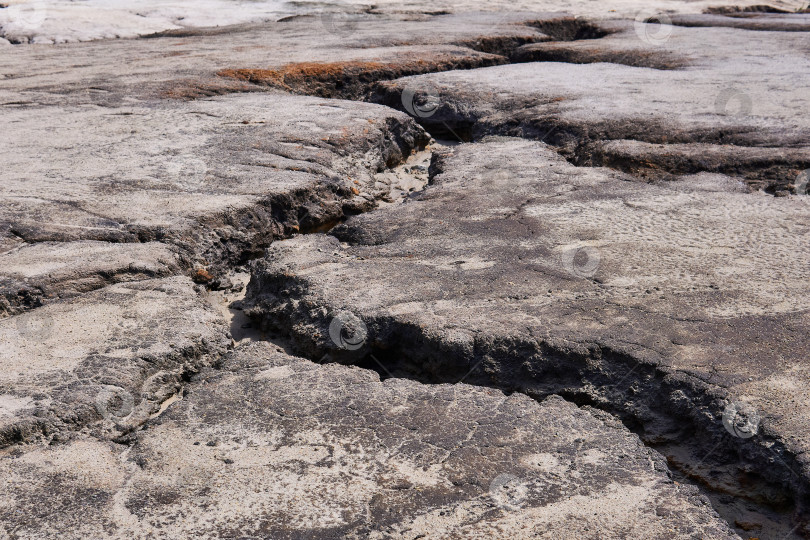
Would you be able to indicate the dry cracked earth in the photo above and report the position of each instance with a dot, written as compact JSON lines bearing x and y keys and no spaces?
{"x":410,"y":273}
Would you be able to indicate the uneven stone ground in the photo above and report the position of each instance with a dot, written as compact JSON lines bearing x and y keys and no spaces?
{"x":592,"y":322}
{"x":60,"y":21}
{"x":249,"y":453}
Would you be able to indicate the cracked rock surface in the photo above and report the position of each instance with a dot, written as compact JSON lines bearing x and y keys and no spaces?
{"x":585,"y":316}
{"x":659,"y":303}
{"x":63,"y":363}
{"x":648,"y":101}
{"x":274,"y":446}
{"x":209,"y":182}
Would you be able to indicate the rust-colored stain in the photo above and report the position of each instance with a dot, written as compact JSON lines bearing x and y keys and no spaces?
{"x":317,"y":77}
{"x":299,"y":74}
{"x":304,"y":70}
{"x":202,"y":276}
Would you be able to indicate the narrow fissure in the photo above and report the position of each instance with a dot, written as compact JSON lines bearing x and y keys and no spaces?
{"x":752,"y":484}
{"x":649,"y":401}
{"x":443,"y":117}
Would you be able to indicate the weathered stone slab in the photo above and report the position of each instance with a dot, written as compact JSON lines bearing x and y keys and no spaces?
{"x":660,"y":85}
{"x":516,"y":269}
{"x":275,"y":446}
{"x":217,"y":179}
{"x":773,"y":22}
{"x":124,"y":348}
{"x":33,"y":273}
{"x":59,"y":21}
{"x":183,"y":66}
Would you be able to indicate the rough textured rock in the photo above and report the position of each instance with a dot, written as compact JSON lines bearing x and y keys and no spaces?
{"x":59,"y":21}
{"x":128,"y":160}
{"x":216,"y":179}
{"x":678,"y":307}
{"x":274,"y":446}
{"x":123,"y":348}
{"x":659,"y":304}
{"x":777,"y":22}
{"x":715,"y":93}
{"x":33,"y":273}
{"x":185,"y":66}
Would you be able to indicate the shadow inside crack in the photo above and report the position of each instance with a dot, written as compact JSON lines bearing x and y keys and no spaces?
{"x":751,"y":483}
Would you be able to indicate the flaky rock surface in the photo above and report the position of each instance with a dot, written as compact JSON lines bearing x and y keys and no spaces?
{"x":592,"y":322}
{"x":578,"y":281}
{"x":274,"y":446}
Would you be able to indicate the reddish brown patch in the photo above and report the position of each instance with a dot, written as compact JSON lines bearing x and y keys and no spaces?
{"x":292,"y":73}
{"x":202,"y":276}
{"x":349,"y":78}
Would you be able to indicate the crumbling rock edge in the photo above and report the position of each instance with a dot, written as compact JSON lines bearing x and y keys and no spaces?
{"x":214,"y":244}
{"x":675,"y":412}
{"x":672,"y":412}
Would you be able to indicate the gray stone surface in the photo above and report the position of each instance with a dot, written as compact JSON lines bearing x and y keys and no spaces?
{"x":273,"y":446}
{"x":662,"y":305}
{"x":640,"y":265}
{"x":778,"y":22}
{"x":111,"y":149}
{"x":59,"y":21}
{"x":215,"y":179}
{"x":33,"y":273}
{"x":119,"y":351}
{"x":733,"y":97}
{"x":184,"y":65}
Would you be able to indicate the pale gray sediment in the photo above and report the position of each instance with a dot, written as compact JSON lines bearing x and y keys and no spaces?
{"x":561,"y":309}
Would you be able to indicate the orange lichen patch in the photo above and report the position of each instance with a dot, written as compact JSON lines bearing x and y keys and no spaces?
{"x":339,"y":78}
{"x":303,"y":70}
{"x":202,"y":276}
